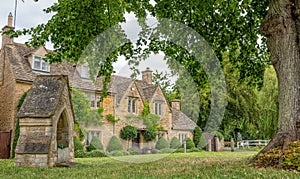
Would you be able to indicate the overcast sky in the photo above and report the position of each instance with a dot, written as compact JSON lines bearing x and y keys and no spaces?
{"x":30,"y":14}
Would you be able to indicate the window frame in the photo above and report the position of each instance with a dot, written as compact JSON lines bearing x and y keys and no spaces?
{"x":42,"y":62}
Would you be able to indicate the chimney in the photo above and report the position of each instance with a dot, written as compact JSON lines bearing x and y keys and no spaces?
{"x":147,"y":75}
{"x":176,"y":104}
{"x":6,"y":39}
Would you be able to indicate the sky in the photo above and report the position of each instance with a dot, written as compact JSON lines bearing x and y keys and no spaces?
{"x":30,"y":14}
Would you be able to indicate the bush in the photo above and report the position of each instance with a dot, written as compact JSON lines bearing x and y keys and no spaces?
{"x":114,"y":144}
{"x":77,"y":144}
{"x":150,"y":134}
{"x":189,"y":143}
{"x":162,"y":143}
{"x":96,"y":153}
{"x":175,"y":143}
{"x":117,"y":153}
{"x":194,"y":150}
{"x":133,"y":151}
{"x":202,"y":143}
{"x":179,"y":150}
{"x":197,"y":135}
{"x":166,"y":151}
{"x":80,"y":154}
{"x":154,"y":151}
{"x":218,"y":134}
{"x":95,"y":144}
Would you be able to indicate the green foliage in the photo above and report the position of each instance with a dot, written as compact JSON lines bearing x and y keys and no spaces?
{"x":91,"y":154}
{"x":114,"y":144}
{"x":189,"y":143}
{"x":162,"y":143}
{"x":21,"y":101}
{"x":175,"y":143}
{"x":166,"y":151}
{"x":150,"y":134}
{"x":202,"y":143}
{"x":133,"y":151}
{"x":77,"y":144}
{"x":79,"y":130}
{"x":128,"y":133}
{"x":82,"y":110}
{"x":95,"y":144}
{"x":151,"y":120}
{"x":197,"y":134}
{"x":17,"y":129}
{"x":267,"y":101}
{"x":111,"y":118}
{"x":117,"y":153}
{"x":218,"y":134}
{"x":146,"y":110}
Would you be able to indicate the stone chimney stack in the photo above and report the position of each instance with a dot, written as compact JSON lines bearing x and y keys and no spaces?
{"x":6,"y":39}
{"x":147,"y":75}
{"x":176,"y":104}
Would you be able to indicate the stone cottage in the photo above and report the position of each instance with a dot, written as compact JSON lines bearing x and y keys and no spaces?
{"x":19,"y":66}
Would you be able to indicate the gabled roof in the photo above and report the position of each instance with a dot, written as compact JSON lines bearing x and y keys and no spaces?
{"x":181,"y":122}
{"x":43,"y":97}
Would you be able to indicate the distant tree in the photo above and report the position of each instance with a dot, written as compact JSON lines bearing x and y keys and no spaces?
{"x":82,"y":110}
{"x":128,"y":133}
{"x":197,"y":134}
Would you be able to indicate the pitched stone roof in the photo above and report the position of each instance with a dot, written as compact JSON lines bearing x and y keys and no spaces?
{"x":43,"y":97}
{"x":181,"y":122}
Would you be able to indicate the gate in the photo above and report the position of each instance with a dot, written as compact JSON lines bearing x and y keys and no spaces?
{"x":5,"y":140}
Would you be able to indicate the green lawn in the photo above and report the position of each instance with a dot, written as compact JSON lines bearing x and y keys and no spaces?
{"x":191,"y":165}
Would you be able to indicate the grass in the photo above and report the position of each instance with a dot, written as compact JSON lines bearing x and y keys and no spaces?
{"x":179,"y":165}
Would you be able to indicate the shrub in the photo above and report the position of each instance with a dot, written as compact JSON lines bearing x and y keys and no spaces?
{"x":77,"y":144}
{"x":114,"y":144}
{"x":154,"y":151}
{"x":197,"y":135}
{"x":202,"y":143}
{"x":128,"y":133}
{"x":133,"y":151}
{"x":194,"y":150}
{"x":189,"y":143}
{"x":150,"y":134}
{"x":179,"y":150}
{"x":166,"y":151}
{"x":175,"y":143}
{"x":162,"y":143}
{"x":96,"y":153}
{"x":80,"y":154}
{"x":218,"y":134}
{"x":117,"y":153}
{"x":95,"y":144}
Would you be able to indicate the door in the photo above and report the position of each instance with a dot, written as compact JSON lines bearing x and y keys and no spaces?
{"x":5,"y":144}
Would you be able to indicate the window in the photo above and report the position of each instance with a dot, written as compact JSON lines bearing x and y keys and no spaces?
{"x":85,"y":71}
{"x":182,"y":137}
{"x":132,"y":104}
{"x":98,"y":101}
{"x":40,"y":64}
{"x":91,"y":98}
{"x":90,"y":135}
{"x":158,"y":110}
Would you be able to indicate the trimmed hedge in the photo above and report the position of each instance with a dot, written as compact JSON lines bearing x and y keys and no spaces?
{"x":162,"y":143}
{"x":175,"y":143}
{"x":92,"y":154}
{"x":95,"y":144}
{"x":77,"y":144}
{"x":114,"y":144}
{"x":189,"y":144}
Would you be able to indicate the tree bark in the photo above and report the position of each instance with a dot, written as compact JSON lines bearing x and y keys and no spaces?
{"x":281,"y":26}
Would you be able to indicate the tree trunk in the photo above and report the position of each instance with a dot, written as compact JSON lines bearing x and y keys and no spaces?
{"x":281,"y":26}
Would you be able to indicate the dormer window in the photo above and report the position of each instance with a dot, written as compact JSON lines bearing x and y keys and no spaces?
{"x":85,"y":71}
{"x":40,"y":64}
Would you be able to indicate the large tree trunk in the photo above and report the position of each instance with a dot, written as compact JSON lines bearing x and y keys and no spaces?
{"x":281,"y":26}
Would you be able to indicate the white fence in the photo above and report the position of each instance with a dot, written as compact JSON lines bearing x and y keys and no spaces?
{"x":253,"y":143}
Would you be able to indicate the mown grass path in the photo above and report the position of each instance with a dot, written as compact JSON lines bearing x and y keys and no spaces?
{"x":191,"y":165}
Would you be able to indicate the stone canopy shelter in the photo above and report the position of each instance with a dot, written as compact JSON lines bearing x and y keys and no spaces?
{"x":46,"y":124}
